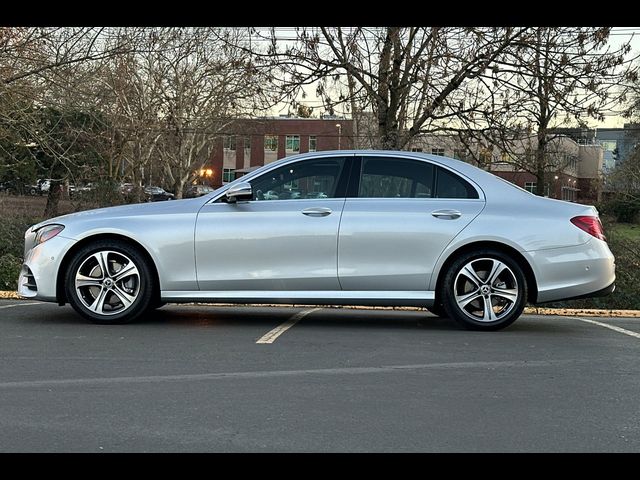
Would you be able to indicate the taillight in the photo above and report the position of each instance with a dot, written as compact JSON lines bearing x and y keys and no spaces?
{"x":591,"y":225}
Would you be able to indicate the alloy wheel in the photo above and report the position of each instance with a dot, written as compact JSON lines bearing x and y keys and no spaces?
{"x":107,"y":282}
{"x":486,"y":290}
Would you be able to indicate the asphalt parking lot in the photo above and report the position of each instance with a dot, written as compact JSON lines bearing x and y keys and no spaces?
{"x":280,"y":379}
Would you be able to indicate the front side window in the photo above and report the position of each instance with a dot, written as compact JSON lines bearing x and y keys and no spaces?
{"x":317,"y":178}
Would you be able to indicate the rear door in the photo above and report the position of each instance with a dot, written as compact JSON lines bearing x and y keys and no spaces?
{"x":399,"y":216}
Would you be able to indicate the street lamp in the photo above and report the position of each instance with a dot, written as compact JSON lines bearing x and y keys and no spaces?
{"x":339,"y":127}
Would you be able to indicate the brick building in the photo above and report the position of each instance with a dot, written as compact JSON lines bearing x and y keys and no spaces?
{"x":257,"y":142}
{"x":575,"y":168}
{"x":574,"y":171}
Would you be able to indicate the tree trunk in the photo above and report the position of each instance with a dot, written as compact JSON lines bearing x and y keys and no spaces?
{"x":178,"y":186}
{"x":540,"y":164}
{"x":540,"y":178}
{"x":53,"y":199}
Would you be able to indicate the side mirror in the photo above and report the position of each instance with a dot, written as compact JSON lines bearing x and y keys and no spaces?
{"x":241,"y":191}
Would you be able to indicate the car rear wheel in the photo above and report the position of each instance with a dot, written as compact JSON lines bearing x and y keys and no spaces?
{"x":109,"y":282}
{"x":484,"y":290}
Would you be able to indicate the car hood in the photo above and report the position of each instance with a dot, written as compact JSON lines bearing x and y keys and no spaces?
{"x":189,"y":205}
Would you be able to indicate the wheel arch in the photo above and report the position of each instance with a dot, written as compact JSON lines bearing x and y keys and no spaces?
{"x":523,"y":263}
{"x":61,"y":296}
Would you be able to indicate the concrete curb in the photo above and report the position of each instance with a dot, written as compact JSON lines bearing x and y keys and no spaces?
{"x":578,"y":312}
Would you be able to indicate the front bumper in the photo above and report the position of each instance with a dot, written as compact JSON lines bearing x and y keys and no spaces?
{"x":39,"y":274}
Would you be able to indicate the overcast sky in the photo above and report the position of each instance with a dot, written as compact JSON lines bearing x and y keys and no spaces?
{"x":619,"y":35}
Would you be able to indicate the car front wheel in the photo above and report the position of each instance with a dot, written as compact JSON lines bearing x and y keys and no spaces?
{"x":109,"y":282}
{"x":484,"y":290}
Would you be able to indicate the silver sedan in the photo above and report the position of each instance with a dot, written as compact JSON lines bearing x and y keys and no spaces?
{"x":343,"y":227}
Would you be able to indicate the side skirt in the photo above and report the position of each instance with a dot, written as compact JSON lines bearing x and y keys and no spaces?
{"x":325,"y":297}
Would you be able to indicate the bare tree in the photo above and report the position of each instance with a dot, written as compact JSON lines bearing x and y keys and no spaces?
{"x":27,"y":52}
{"x":183,"y":90}
{"x":44,"y":77}
{"x":556,"y":76}
{"x":415,"y":80}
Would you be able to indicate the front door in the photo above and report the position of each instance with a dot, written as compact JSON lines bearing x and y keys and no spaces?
{"x":284,"y":239}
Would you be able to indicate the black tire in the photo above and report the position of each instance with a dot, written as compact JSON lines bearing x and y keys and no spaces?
{"x":438,"y":310}
{"x":143,"y":283}
{"x":507,"y":292}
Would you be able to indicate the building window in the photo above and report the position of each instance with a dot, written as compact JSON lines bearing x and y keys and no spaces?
{"x":437,"y":151}
{"x":569,"y":194}
{"x":228,"y":175}
{"x":313,"y":143}
{"x":271,"y":143}
{"x":460,"y":154}
{"x":609,"y":145}
{"x":531,"y":187}
{"x":416,"y":149}
{"x":485,"y":156}
{"x":292,"y":144}
{"x":571,"y":162}
{"x":247,"y":143}
{"x":229,"y":142}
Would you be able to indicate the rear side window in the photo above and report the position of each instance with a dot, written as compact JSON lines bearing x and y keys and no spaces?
{"x":395,"y":178}
{"x":389,"y":177}
{"x":450,"y":185}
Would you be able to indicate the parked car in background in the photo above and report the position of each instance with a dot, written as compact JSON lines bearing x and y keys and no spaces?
{"x":157,"y":194}
{"x":32,"y":189}
{"x":8,"y":187}
{"x":44,"y":185}
{"x":18,"y":187}
{"x":126,"y":188}
{"x":77,"y":191}
{"x":392,"y":228}
{"x":194,"y":191}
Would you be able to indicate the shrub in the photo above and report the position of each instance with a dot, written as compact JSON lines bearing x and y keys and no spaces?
{"x":624,"y":210}
{"x":626,"y":296}
{"x":9,"y":270}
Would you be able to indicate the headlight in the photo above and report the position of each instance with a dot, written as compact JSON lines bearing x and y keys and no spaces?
{"x":47,"y":232}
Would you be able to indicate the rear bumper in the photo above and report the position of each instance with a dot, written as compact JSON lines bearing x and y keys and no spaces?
{"x":603,"y":292}
{"x":580,"y":271}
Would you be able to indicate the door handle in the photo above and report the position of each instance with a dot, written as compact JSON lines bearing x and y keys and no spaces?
{"x":316,"y":211}
{"x":446,"y":214}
